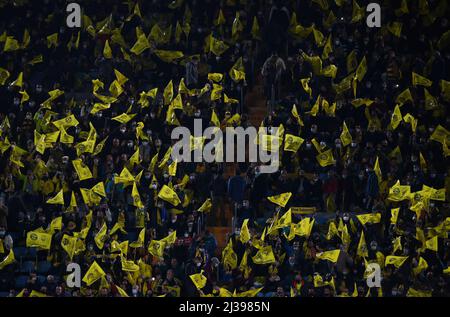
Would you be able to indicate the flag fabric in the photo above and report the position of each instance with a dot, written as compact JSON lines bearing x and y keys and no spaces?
{"x":68,"y":243}
{"x":325,"y":158}
{"x":281,"y":199}
{"x":39,"y":240}
{"x":362,"y":250}
{"x":244,"y":235}
{"x":206,"y":206}
{"x":396,"y":117}
{"x":199,"y":280}
{"x":331,"y":256}
{"x":156,"y":248}
{"x":82,"y":170}
{"x":94,"y":273}
{"x":346,"y":137}
{"x":100,"y":237}
{"x":140,"y":45}
{"x":292,"y":143}
{"x":369,"y":218}
{"x":264,"y":256}
{"x":397,"y":261}
{"x":58,"y":199}
{"x":418,"y":80}
{"x":107,"y":52}
{"x":166,"y":193}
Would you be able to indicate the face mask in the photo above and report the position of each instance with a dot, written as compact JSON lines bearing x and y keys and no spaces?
{"x":144,"y":143}
{"x":199,"y":264}
{"x":353,"y":144}
{"x":308,"y":145}
{"x":148,"y":176}
{"x":345,"y":218}
{"x":152,"y":115}
{"x":174,"y":219}
{"x":197,"y":114}
{"x":123,"y":130}
{"x":338,"y":146}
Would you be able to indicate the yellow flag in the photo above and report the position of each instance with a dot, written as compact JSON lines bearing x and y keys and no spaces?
{"x":217,"y":47}
{"x":170,"y":239}
{"x":69,"y":121}
{"x":305,"y":85}
{"x":39,"y":240}
{"x":229,"y":257}
{"x":19,"y":81}
{"x":11,"y":44}
{"x":264,"y":256}
{"x":124,"y":117}
{"x":325,"y":158}
{"x":445,"y":89}
{"x":395,"y":28}
{"x":128,"y":265}
{"x":403,"y":9}
{"x":399,"y":192}
{"x":168,"y":56}
{"x":220,"y":18}
{"x":352,"y":62}
{"x":416,"y":293}
{"x":140,"y":45}
{"x":346,"y":137}
{"x":93,"y":274}
{"x":430,"y":101}
{"x":396,"y":117}
{"x":362,"y":246}
{"x":136,"y":198}
{"x":432,"y":244}
{"x":199,"y":280}
{"x":166,"y":193}
{"x":168,"y":93}
{"x":292,"y":143}
{"x":68,"y":243}
{"x":249,"y":293}
{"x":440,"y":134}
{"x":82,"y":170}
{"x":107,"y":52}
{"x":139,"y":243}
{"x":418,"y":80}
{"x":206,"y":206}
{"x":100,"y":237}
{"x":331,"y":256}
{"x":244,"y":235}
{"x":281,"y":199}
{"x":358,"y":13}
{"x":52,"y":40}
{"x":372,"y":218}
{"x":256,"y":34}
{"x":156,"y":248}
{"x":58,"y":199}
{"x":397,"y":261}
{"x":362,"y":69}
{"x":403,"y":97}
{"x":328,"y":48}
{"x":394,"y":215}
{"x":4,"y":75}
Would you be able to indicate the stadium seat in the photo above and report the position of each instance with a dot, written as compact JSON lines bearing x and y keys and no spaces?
{"x":43,"y":267}
{"x":20,"y":281}
{"x":27,"y":267}
{"x":20,"y":252}
{"x":31,"y":254}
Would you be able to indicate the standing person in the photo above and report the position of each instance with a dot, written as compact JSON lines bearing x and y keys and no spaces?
{"x":272,"y":70}
{"x":218,"y":189}
{"x":192,"y":72}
